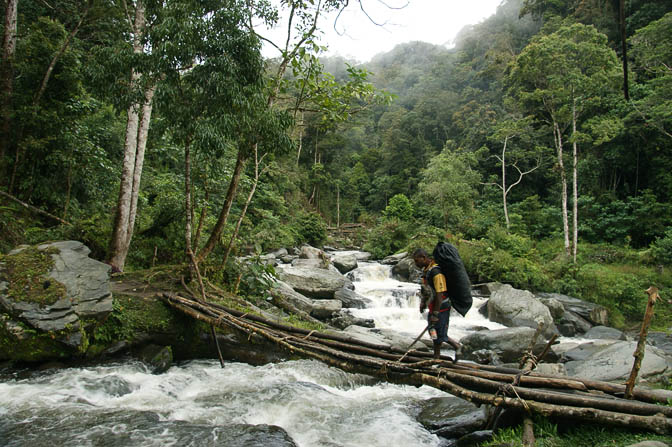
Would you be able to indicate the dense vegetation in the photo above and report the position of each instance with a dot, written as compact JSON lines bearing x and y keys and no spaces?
{"x":527,"y":143}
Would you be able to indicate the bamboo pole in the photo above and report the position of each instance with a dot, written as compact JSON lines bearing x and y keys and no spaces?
{"x":641,"y":343}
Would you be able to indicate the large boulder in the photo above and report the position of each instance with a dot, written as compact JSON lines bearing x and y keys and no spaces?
{"x":321,"y":309}
{"x":291,"y":296}
{"x":394,"y":259}
{"x":314,"y":282}
{"x":604,"y":332}
{"x":352,"y":299}
{"x":344,"y":318}
{"x":308,"y":252}
{"x":48,"y":294}
{"x":451,"y":417}
{"x":515,"y":308}
{"x":405,"y":270}
{"x":594,"y":313}
{"x":344,"y":263}
{"x":613,"y":362}
{"x":508,"y":344}
{"x":325,"y":309}
{"x":571,"y":324}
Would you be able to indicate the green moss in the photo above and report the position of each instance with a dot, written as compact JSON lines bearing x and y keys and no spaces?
{"x":27,"y":272}
{"x":38,"y":346}
{"x":132,"y":317}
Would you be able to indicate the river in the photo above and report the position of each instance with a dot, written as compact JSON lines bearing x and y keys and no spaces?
{"x":198,"y":403}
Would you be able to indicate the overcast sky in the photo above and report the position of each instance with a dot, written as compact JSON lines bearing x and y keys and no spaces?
{"x":433,"y":21}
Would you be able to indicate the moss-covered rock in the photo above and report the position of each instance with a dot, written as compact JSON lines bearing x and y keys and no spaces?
{"x":49,"y":295}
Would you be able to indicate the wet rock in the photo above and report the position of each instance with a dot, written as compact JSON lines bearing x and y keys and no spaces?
{"x":352,"y":299}
{"x":583,"y":351}
{"x":463,"y":425}
{"x":308,"y":252}
{"x":661,"y":340}
{"x":556,"y":307}
{"x":158,"y":358}
{"x":438,"y":411}
{"x":515,"y":308}
{"x":384,"y":337}
{"x":362,"y":255}
{"x":344,"y":263}
{"x":394,"y":259}
{"x":475,"y":439}
{"x":571,"y":324}
{"x":613,"y":362}
{"x":509,"y":344}
{"x":314,"y":282}
{"x":280,"y":253}
{"x":605,"y":333}
{"x":594,"y":313}
{"x":485,"y":357}
{"x":287,"y":293}
{"x":344,"y":318}
{"x":325,"y":309}
{"x":405,"y":270}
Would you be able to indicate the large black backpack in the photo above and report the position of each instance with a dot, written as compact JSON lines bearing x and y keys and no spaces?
{"x":457,"y":280}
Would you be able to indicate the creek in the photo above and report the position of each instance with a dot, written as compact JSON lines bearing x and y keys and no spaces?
{"x":197,"y":403}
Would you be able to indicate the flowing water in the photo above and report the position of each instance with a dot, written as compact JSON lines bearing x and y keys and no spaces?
{"x":200,"y":404}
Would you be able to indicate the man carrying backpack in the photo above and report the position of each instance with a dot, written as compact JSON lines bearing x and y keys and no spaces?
{"x":439,"y":302}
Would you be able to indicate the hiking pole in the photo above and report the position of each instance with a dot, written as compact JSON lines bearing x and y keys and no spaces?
{"x":410,"y":347}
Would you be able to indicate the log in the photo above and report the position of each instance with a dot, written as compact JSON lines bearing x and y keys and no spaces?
{"x":641,"y":343}
{"x":499,"y":387}
{"x":658,"y":424}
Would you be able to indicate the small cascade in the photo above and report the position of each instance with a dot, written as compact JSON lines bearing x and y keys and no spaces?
{"x":395,"y":304}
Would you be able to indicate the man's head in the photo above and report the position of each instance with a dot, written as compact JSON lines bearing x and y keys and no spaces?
{"x":421,"y":258}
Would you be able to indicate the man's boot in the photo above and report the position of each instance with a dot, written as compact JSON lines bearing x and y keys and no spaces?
{"x":437,"y":351}
{"x":457,"y":346}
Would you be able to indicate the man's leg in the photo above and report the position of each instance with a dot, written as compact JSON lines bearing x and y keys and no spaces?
{"x":437,"y":350}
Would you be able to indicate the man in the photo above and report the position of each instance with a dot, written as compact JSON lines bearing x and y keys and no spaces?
{"x":438,"y":302}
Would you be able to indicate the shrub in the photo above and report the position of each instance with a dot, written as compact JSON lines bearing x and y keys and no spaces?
{"x":388,"y":237}
{"x":399,"y":208}
{"x":621,"y":293}
{"x":488,"y":263}
{"x":661,"y":249}
{"x":311,"y":229}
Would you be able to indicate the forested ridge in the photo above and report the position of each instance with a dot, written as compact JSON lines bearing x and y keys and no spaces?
{"x":156,"y":133}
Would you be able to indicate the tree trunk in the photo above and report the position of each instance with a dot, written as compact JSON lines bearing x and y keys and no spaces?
{"x":143,"y":131}
{"x":504,"y":191}
{"x":121,"y":232}
{"x":575,"y":186}
{"x":187,"y":196}
{"x":7,"y":74}
{"x":57,"y":56}
{"x":257,"y":162}
{"x":224,"y":214}
{"x":624,"y":47}
{"x":563,"y":178}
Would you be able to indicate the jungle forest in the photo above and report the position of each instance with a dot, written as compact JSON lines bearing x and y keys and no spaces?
{"x":157,"y":134}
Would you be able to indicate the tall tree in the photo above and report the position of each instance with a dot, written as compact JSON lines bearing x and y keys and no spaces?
{"x":563,"y":75}
{"x":135,"y":142}
{"x":7,"y":77}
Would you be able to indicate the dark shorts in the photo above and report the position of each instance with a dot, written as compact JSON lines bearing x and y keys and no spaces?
{"x":442,"y":325}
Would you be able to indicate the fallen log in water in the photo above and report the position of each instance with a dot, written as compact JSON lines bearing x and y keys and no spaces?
{"x":553,"y":396}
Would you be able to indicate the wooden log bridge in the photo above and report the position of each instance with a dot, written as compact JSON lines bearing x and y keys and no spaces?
{"x":549,"y":395}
